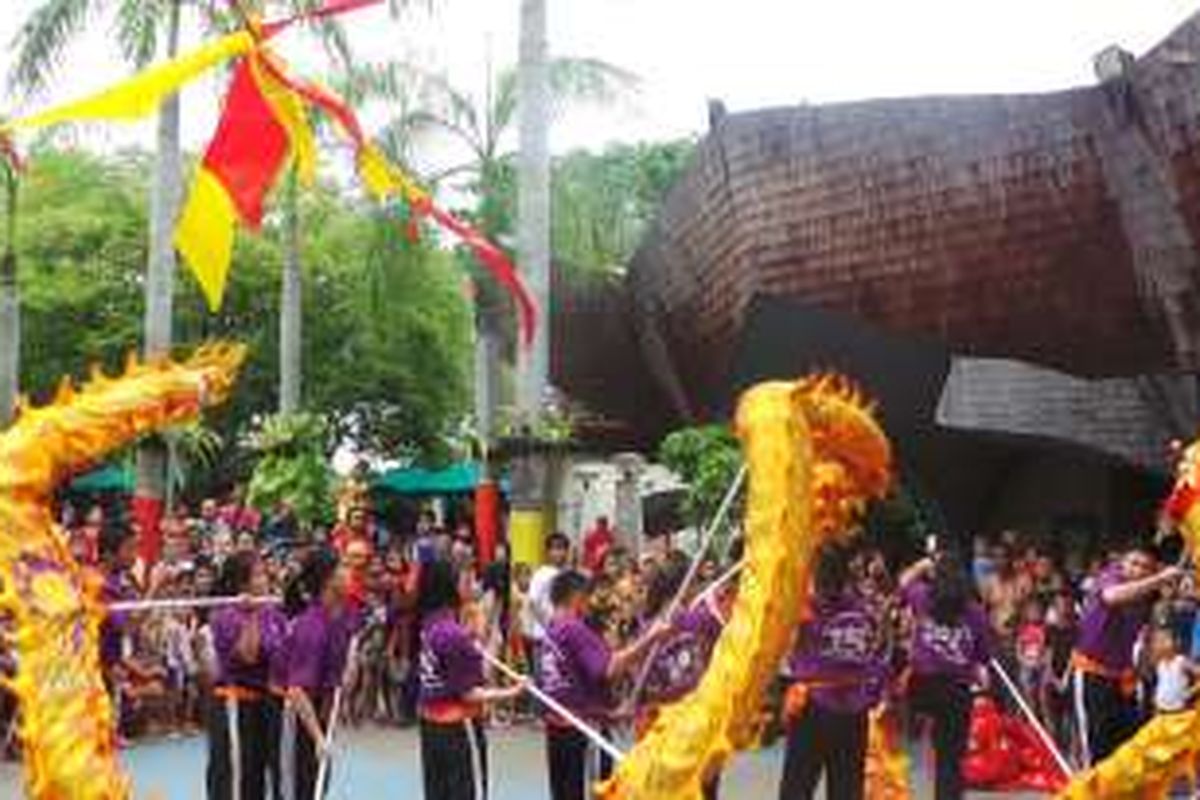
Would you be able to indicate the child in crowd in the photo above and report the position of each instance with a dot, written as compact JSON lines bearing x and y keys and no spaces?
{"x":1033,"y":655}
{"x":1173,"y":673}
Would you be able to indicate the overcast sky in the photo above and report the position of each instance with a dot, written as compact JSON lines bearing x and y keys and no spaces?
{"x":749,"y":53}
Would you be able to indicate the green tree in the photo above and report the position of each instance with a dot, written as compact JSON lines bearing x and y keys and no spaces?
{"x":707,"y":458}
{"x":483,"y":128}
{"x":387,"y":321}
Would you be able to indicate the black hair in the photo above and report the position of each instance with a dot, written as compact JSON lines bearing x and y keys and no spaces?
{"x":309,"y":584}
{"x":951,"y":589}
{"x":557,"y":539}
{"x":235,"y":574}
{"x":566,"y":585}
{"x":737,"y":549}
{"x":437,"y":587}
{"x":832,"y":575}
{"x":665,"y":581}
{"x":112,"y":538}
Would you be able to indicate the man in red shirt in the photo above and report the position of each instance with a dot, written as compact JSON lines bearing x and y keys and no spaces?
{"x":598,"y":541}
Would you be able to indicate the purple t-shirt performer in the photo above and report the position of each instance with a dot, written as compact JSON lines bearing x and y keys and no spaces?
{"x":450,"y":667}
{"x":682,"y":656}
{"x":954,"y":649}
{"x":1108,"y":631}
{"x":1114,"y":614}
{"x":228,"y":625}
{"x":575,"y":669}
{"x":841,"y":654}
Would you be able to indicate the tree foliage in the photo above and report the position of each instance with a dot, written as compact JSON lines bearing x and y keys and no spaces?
{"x":707,"y":458}
{"x":292,"y":466}
{"x":387,"y":326}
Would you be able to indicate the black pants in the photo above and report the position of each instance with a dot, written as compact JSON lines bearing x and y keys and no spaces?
{"x":948,"y":704}
{"x":575,"y":765}
{"x":272,"y":733}
{"x":1106,"y":716}
{"x":454,"y":760}
{"x":235,"y":750}
{"x":826,"y":742}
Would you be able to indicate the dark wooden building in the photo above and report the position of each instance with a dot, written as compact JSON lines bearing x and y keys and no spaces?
{"x":1015,"y":276}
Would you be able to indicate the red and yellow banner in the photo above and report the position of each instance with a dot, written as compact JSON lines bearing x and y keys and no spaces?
{"x":263,"y":125}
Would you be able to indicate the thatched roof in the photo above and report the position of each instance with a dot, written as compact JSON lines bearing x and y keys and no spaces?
{"x":1056,"y":228}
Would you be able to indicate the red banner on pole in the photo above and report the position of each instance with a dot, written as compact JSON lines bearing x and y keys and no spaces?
{"x":487,"y":520}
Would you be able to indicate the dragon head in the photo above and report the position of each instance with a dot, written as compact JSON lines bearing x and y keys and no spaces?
{"x":853,"y":456}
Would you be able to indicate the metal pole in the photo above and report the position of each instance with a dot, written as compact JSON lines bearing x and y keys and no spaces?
{"x":1043,"y":734}
{"x":558,"y":708}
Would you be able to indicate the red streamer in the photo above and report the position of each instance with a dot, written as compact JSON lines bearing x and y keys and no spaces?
{"x":329,"y":9}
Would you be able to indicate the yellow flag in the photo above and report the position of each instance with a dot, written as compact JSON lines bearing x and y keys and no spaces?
{"x":204,"y":236}
{"x":142,"y":94}
{"x":290,"y":112}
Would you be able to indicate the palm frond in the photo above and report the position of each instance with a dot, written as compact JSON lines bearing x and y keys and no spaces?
{"x":42,"y":39}
{"x":136,"y":26}
{"x":575,"y":81}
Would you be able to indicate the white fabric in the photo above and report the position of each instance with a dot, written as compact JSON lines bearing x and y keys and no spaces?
{"x":539,"y":600}
{"x":1081,"y":718}
{"x":476,"y":761}
{"x":235,"y":748}
{"x":1171,"y":688}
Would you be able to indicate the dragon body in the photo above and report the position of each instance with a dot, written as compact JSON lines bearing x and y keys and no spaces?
{"x":1166,"y":749}
{"x":815,"y":455}
{"x":52,"y":605}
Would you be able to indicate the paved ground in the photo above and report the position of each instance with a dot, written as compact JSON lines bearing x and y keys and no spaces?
{"x":378,"y":764}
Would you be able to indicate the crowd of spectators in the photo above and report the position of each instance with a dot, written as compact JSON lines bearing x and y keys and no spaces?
{"x":160,"y":665}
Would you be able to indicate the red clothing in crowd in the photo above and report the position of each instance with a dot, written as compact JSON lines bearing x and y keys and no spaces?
{"x":598,"y":541}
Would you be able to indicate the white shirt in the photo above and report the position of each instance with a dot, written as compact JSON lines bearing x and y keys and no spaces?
{"x":540,"y":607}
{"x":1171,"y":688}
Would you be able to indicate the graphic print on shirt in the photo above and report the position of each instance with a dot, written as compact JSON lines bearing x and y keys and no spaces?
{"x":848,"y":637}
{"x":954,"y":644}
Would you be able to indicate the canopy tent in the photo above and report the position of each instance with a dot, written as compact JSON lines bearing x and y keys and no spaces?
{"x":456,"y":479}
{"x":110,"y":478}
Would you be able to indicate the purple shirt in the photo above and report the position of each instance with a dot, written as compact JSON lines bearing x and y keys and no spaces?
{"x":342,"y":631}
{"x":842,"y":644}
{"x":309,"y":650}
{"x":955,"y":650}
{"x":574,"y":667}
{"x":450,"y":664}
{"x":277,"y":660}
{"x":1107,"y":633}
{"x":117,"y":588}
{"x":682,"y":656}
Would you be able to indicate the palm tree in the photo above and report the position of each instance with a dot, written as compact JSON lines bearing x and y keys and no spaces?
{"x":533,"y":201}
{"x":10,"y":302}
{"x":482,"y":128}
{"x":40,"y":44}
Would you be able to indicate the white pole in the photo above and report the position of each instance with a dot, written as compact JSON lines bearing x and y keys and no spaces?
{"x":1045,"y":736}
{"x":323,"y":767}
{"x":558,"y":708}
{"x":693,"y":570}
{"x":720,"y":583}
{"x":178,"y":603}
{"x":335,"y":711}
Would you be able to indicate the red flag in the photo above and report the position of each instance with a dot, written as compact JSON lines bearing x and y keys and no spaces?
{"x":250,"y":146}
{"x":493,"y":259}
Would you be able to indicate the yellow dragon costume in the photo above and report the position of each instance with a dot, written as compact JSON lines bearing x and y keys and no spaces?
{"x":50,"y":605}
{"x":1166,"y":749}
{"x":815,"y":455}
